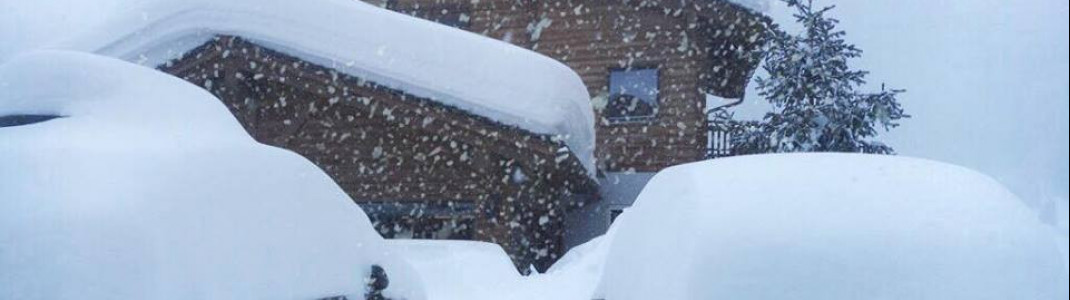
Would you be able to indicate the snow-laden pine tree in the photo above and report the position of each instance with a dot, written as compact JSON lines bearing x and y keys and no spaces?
{"x":815,"y":94}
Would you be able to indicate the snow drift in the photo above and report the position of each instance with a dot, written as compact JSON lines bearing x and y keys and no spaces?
{"x":481,"y":75}
{"x":461,"y":270}
{"x":830,"y":226}
{"x":147,"y":188}
{"x":577,"y":275}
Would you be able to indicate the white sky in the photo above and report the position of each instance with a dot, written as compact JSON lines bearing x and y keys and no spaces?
{"x":987,"y":80}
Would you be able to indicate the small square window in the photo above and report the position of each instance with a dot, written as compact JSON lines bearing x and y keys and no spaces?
{"x":633,"y":95}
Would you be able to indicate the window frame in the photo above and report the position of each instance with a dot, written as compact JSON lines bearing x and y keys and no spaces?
{"x":623,"y":120}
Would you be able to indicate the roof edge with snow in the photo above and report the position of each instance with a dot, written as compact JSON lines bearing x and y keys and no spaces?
{"x":477,"y":74}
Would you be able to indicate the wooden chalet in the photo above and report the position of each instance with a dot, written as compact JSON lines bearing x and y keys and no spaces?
{"x":652,"y":67}
{"x":649,"y":64}
{"x":419,"y":168}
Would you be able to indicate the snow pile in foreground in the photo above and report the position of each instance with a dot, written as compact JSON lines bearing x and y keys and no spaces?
{"x":481,"y":75}
{"x":573,"y":277}
{"x":580,"y":270}
{"x":147,"y":188}
{"x":830,"y":226}
{"x":472,"y":270}
{"x":461,"y":270}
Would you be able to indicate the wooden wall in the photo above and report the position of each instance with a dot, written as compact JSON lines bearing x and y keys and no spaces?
{"x":698,"y":47}
{"x":384,"y":146}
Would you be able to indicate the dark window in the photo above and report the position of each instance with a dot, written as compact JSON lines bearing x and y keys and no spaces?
{"x":633,"y":95}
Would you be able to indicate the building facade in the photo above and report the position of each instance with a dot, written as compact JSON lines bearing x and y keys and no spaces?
{"x":419,"y":168}
{"x":423,"y":168}
{"x":649,"y":65}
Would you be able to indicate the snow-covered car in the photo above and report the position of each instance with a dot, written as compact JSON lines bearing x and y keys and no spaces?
{"x":829,"y":226}
{"x":127,"y":183}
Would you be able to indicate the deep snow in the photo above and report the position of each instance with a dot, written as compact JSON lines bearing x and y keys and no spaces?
{"x":830,"y":226}
{"x":148,"y":188}
{"x":923,"y":46}
{"x":460,"y":270}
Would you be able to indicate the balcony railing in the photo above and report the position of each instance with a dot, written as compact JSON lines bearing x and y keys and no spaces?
{"x":726,"y":137}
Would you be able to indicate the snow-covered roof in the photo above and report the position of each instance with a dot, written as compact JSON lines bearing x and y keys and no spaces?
{"x":483,"y":76}
{"x":148,"y":188}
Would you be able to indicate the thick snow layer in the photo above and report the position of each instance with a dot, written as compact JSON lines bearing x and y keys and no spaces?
{"x":147,"y":188}
{"x":487,"y":77}
{"x":830,"y":226}
{"x":578,"y":274}
{"x":461,"y":270}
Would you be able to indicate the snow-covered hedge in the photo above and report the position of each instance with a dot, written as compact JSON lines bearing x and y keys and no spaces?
{"x":830,"y":226}
{"x":147,"y":187}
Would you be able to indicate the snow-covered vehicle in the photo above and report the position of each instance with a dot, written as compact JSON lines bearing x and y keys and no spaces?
{"x":829,"y":226}
{"x":143,"y":186}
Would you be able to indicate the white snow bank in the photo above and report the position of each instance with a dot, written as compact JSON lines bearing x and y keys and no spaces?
{"x":487,"y":77}
{"x":148,"y":188}
{"x":578,"y":274}
{"x":830,"y":226}
{"x":462,"y":270}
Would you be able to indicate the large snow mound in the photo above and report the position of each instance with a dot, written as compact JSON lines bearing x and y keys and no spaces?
{"x":147,"y":188}
{"x":462,"y":270}
{"x":486,"y":77}
{"x":830,"y":226}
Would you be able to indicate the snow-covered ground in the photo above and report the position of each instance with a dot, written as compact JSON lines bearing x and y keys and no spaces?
{"x":125,"y":197}
{"x":830,"y":226}
{"x":837,"y":226}
{"x":148,"y":188}
{"x":460,"y":270}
